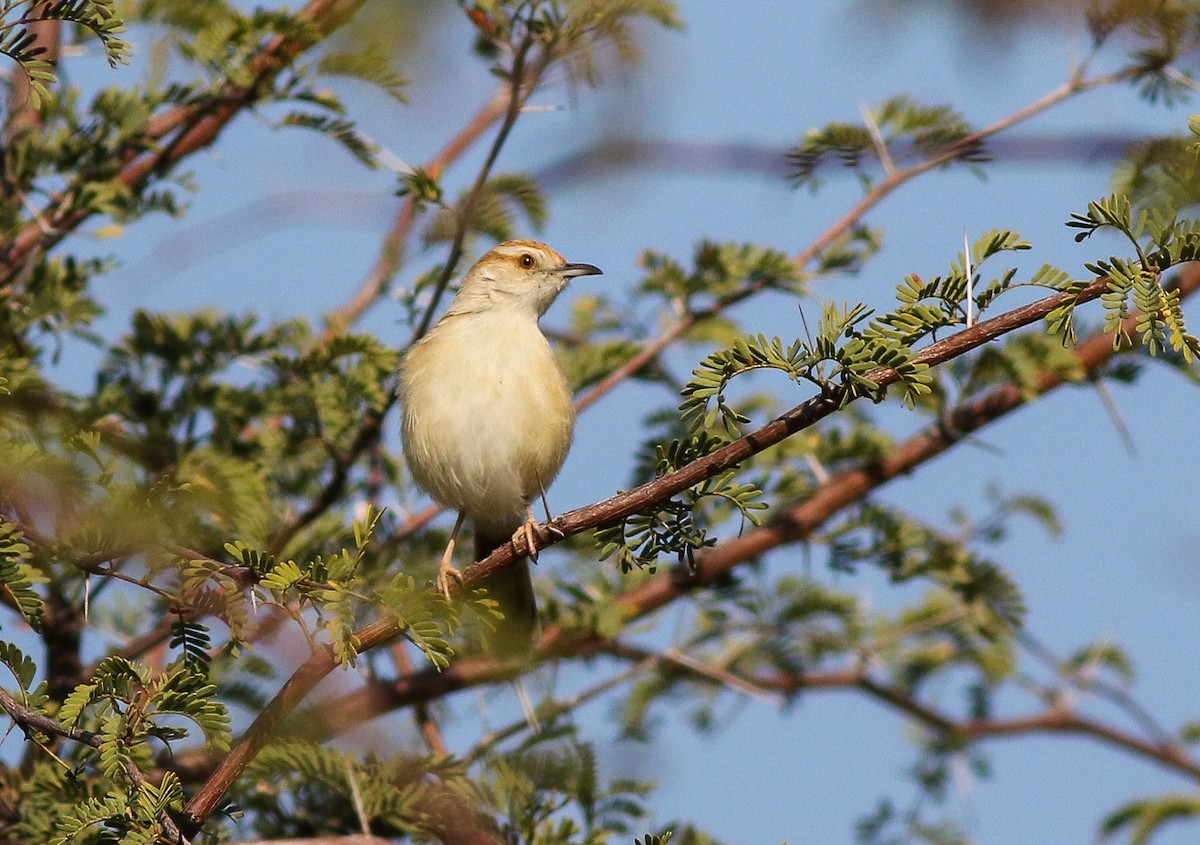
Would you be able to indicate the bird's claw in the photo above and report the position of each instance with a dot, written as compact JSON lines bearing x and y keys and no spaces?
{"x":447,"y":574}
{"x":526,"y":532}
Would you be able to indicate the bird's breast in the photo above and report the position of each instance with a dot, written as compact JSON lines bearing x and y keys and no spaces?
{"x":488,"y":416}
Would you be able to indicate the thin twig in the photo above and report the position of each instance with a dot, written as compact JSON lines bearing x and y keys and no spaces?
{"x":520,"y":88}
{"x":391,"y":253}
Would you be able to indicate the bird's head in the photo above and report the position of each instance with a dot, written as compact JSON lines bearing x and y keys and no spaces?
{"x":525,"y":275}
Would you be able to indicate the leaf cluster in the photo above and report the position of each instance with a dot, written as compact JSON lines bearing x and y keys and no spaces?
{"x":1160,"y":242}
{"x":901,"y":126}
{"x":20,"y":45}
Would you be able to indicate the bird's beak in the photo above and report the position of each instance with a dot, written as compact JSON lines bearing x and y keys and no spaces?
{"x":570,"y":271}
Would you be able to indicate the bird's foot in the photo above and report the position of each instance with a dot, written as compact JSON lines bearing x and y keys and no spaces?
{"x":526,"y":532}
{"x":447,"y":573}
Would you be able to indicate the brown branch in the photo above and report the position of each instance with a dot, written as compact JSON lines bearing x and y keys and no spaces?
{"x":62,"y":633}
{"x":795,"y":523}
{"x":472,"y":671}
{"x":877,"y":194}
{"x":187,"y":129}
{"x":800,"y":520}
{"x":1075,"y":85}
{"x":319,"y":664}
{"x":391,"y":253}
{"x":523,"y":78}
{"x":1057,"y":718}
{"x":646,"y":496}
{"x":27,"y":717}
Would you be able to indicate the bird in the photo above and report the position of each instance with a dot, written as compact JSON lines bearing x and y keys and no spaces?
{"x":488,"y":416}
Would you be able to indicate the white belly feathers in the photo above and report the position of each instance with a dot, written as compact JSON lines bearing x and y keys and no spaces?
{"x":497,"y":455}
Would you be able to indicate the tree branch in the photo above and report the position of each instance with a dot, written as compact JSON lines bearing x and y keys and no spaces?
{"x":523,"y":78}
{"x":391,"y":253}
{"x":471,"y":671}
{"x":189,"y":128}
{"x":1057,"y":718}
{"x":877,"y":194}
{"x":795,"y":523}
{"x":28,"y":718}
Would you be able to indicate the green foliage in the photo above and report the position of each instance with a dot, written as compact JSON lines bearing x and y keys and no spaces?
{"x":905,"y":128}
{"x":425,"y":625}
{"x":640,"y":540}
{"x":21,"y":665}
{"x":890,"y":825}
{"x":653,"y":839}
{"x":1142,"y":819}
{"x":339,"y":130}
{"x":492,"y":211}
{"x":906,"y":548}
{"x":135,"y":816}
{"x":849,"y":345}
{"x":1161,"y":242}
{"x":128,"y":705}
{"x":677,"y":527}
{"x":555,"y":790}
{"x":1103,"y":655}
{"x":320,"y":784}
{"x":223,"y":479}
{"x":720,"y":272}
{"x":1162,"y":34}
{"x":370,"y":63}
{"x":194,"y":641}
{"x":1161,"y":174}
{"x":20,"y":45}
{"x":573,"y":31}
{"x":853,"y":349}
{"x":17,"y":577}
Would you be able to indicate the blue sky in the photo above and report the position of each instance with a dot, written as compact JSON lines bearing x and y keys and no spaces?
{"x":286,"y":223}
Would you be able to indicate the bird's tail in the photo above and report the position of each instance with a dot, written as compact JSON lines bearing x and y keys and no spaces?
{"x":512,"y":589}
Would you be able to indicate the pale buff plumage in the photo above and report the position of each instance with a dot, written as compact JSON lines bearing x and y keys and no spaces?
{"x":488,"y":415}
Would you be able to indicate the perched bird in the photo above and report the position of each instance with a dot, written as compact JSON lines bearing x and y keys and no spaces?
{"x":488,"y":415}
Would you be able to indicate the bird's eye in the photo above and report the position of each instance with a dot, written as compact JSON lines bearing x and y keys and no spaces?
{"x":527,"y":261}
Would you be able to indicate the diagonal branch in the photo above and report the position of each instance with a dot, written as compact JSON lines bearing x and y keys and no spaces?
{"x":28,"y":718}
{"x":794,"y":523}
{"x":470,"y":671}
{"x":806,"y":414}
{"x":391,"y":253}
{"x":876,"y":195}
{"x":1056,"y":718}
{"x":523,"y":80}
{"x":177,"y":133}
